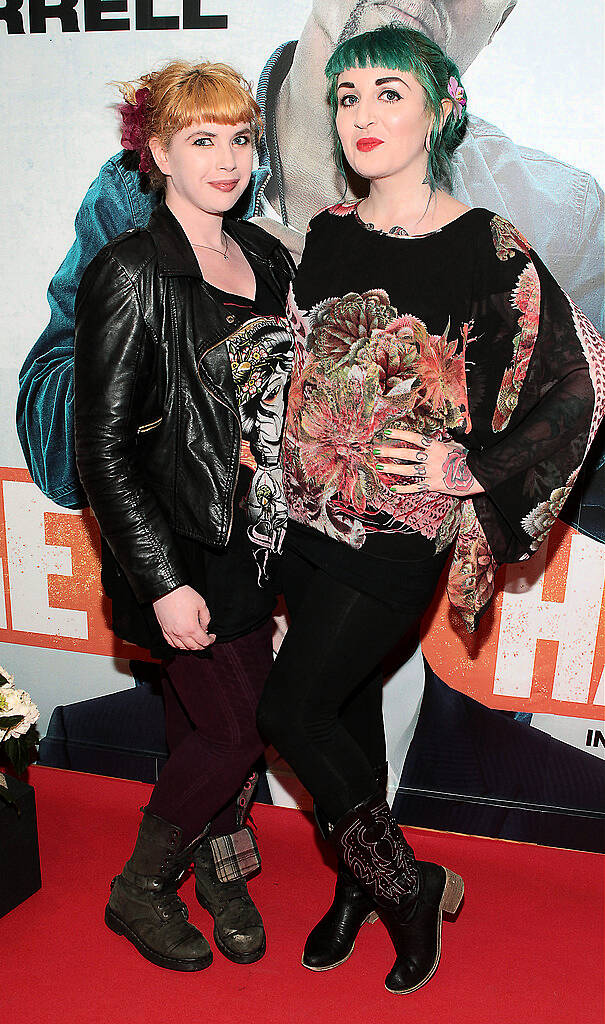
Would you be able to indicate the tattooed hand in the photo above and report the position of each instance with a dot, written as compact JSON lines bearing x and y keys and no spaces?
{"x":457,"y":477}
{"x":425,"y":464}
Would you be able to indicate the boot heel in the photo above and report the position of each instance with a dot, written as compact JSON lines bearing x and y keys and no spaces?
{"x":112,"y":922}
{"x":453,"y":892}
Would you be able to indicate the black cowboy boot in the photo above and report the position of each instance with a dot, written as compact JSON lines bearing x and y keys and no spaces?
{"x":332,"y":940}
{"x":410,"y":896}
{"x":221,"y":866}
{"x":144,"y":904}
{"x":418,"y":941}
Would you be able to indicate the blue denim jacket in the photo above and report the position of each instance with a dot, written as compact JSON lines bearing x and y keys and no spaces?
{"x":114,"y":203}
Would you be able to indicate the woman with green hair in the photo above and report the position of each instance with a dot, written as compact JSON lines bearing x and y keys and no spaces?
{"x":443,"y":397}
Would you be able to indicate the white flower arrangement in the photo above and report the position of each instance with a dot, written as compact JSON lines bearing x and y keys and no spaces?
{"x":18,"y":735}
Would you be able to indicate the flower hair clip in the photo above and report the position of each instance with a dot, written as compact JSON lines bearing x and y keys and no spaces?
{"x":134,"y":128}
{"x":458,"y":95}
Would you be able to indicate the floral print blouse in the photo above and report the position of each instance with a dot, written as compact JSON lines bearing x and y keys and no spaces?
{"x":461,"y":333}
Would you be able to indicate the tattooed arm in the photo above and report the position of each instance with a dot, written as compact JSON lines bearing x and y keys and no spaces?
{"x":426,"y":464}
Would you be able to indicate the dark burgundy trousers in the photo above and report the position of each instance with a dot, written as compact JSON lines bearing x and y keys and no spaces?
{"x":211,"y":699}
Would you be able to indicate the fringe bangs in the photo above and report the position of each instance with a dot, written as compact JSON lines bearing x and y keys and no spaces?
{"x":371,"y":49}
{"x":205,"y":98}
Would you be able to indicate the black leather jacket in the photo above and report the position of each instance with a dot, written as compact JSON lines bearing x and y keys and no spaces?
{"x":157,"y":427}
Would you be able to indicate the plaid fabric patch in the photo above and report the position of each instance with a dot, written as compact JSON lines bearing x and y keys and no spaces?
{"x":235,"y":855}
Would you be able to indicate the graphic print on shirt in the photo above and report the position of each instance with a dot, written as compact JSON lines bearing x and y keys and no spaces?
{"x":526,"y":299}
{"x":361,"y":367}
{"x":529,"y":399}
{"x":260,"y":353}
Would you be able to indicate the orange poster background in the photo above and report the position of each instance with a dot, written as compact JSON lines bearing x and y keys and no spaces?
{"x":465,"y":661}
{"x":81,"y":591}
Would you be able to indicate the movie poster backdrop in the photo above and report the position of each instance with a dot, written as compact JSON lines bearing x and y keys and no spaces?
{"x":499,"y":733}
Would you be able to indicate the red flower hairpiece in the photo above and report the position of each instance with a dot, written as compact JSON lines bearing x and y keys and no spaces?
{"x":134,"y":128}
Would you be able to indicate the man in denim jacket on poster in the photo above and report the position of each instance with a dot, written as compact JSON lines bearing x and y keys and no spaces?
{"x":558,"y":207}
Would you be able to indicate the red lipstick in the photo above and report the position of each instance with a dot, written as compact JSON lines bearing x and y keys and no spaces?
{"x":224,"y":186}
{"x":367,"y":145}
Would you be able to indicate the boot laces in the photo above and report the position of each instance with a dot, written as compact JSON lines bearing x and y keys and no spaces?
{"x":169,"y":904}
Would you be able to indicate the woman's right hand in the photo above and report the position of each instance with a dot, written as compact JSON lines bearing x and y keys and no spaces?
{"x":184,"y":619}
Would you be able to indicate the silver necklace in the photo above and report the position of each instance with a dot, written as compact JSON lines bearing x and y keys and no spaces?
{"x":225,"y":254}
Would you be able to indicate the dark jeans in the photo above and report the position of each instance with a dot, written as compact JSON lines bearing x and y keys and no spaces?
{"x":330,"y":656}
{"x":211,"y":699}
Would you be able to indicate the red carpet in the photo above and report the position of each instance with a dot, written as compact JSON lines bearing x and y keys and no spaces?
{"x":527,"y":945}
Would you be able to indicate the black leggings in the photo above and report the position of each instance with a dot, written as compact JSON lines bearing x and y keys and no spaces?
{"x":321,"y":707}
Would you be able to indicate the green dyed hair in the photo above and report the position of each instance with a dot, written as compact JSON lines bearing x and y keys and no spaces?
{"x":404,"y":49}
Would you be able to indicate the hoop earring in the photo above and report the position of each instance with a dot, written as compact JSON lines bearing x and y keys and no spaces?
{"x":427,"y":148}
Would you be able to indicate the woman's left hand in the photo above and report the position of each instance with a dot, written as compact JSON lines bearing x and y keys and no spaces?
{"x":428,"y":465}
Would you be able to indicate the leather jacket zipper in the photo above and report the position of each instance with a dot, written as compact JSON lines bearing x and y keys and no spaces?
{"x":239,"y":426}
{"x":149,"y":426}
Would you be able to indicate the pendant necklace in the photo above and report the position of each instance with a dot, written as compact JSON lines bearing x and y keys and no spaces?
{"x":225,"y":254}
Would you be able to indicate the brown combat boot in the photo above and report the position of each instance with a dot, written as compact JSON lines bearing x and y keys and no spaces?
{"x":145,"y":907}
